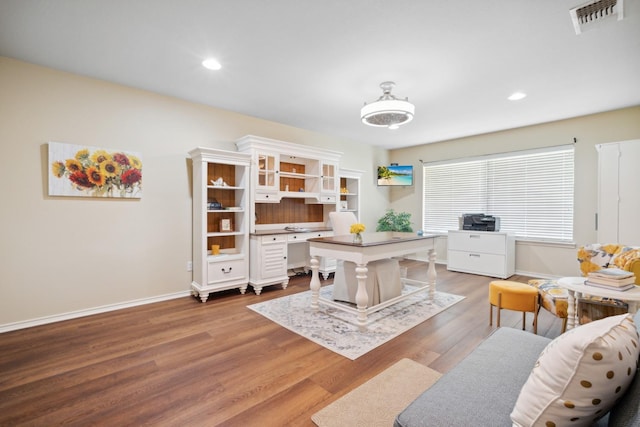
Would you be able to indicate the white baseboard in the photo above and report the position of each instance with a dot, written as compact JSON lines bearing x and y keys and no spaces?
{"x":88,"y":312}
{"x":536,"y":275}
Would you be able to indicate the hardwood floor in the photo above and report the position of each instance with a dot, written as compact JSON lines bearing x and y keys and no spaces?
{"x":185,"y":363}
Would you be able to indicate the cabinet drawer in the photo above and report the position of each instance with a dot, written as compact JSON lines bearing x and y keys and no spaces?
{"x":298,"y":237}
{"x":485,"y":243}
{"x":303,"y":237}
{"x":224,"y":271}
{"x":273,"y":239}
{"x":327,"y":198}
{"x":328,"y":233}
{"x":477,"y":263}
{"x":267,"y":197}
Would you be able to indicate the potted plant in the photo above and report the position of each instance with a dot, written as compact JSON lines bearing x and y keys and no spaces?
{"x":395,"y":221}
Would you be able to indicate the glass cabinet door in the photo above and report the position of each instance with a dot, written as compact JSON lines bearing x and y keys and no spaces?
{"x":329,"y":177}
{"x":267,"y":171}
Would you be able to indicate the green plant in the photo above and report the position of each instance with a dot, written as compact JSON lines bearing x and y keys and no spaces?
{"x":395,"y":221}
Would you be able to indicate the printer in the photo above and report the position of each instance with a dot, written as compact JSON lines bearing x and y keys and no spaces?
{"x":480,"y":222}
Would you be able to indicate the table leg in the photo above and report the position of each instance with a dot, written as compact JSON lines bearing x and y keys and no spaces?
{"x":431,"y":274}
{"x":571,"y":310}
{"x":362,"y":299}
{"x":315,"y":283}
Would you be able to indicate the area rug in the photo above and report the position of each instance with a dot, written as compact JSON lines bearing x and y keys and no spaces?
{"x":339,"y":331}
{"x":379,"y":400}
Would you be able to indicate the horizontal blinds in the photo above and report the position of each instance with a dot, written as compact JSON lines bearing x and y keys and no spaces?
{"x":531,"y":192}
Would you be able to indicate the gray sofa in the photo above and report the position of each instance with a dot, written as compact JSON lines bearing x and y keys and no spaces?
{"x":482,"y":389}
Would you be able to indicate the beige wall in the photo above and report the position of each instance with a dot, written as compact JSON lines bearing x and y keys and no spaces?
{"x":64,"y":256}
{"x":533,"y":258}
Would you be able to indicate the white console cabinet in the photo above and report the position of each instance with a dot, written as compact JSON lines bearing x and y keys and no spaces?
{"x":487,"y":253}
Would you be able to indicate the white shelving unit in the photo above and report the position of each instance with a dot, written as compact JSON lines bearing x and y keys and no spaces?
{"x":349,"y":191}
{"x":220,"y":217}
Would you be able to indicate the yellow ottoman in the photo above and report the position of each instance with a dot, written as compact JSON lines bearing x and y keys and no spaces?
{"x":513,"y":296}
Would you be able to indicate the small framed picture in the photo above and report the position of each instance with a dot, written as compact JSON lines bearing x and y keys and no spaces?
{"x":344,"y":205}
{"x":225,"y":225}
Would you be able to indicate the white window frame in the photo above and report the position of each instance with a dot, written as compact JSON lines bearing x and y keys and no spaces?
{"x":532,"y":192}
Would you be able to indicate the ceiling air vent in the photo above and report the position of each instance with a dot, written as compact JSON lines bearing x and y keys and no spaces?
{"x":592,"y":14}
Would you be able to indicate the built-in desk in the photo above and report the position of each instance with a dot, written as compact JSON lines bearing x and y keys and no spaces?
{"x":374,"y":246}
{"x":273,"y":252}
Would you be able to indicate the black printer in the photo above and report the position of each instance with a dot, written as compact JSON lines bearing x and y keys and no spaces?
{"x":480,"y":222}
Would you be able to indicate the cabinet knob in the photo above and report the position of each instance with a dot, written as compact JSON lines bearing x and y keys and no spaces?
{"x":226,"y":271}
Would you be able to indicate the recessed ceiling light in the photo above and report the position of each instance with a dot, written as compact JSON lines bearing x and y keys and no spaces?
{"x":211,"y":64}
{"x":517,"y":96}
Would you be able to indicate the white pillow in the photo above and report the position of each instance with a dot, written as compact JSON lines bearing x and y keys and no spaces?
{"x":580,"y":375}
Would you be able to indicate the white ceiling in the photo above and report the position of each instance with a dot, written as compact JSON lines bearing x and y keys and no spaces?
{"x":312,"y":64}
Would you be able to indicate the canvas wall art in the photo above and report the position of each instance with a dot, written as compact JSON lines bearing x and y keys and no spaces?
{"x":78,"y":170}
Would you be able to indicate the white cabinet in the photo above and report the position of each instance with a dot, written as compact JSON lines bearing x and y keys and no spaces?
{"x":220,"y":219}
{"x":287,"y":176}
{"x":268,"y":261}
{"x":329,"y":182}
{"x":618,"y":201}
{"x":294,"y":186}
{"x":350,"y":191}
{"x":481,"y":252}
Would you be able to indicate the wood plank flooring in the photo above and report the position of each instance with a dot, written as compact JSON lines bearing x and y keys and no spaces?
{"x":185,"y":363}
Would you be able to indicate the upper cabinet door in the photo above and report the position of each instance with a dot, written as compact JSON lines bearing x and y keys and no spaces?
{"x":329,"y":177}
{"x":268,"y":178}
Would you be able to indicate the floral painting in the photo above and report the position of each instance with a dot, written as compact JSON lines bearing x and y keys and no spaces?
{"x":76,"y":170}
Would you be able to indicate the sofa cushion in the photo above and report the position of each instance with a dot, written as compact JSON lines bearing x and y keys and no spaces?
{"x":482,"y":389}
{"x":627,"y":411}
{"x":580,"y":375}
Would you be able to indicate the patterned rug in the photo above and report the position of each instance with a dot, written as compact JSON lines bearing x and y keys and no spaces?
{"x":339,"y":331}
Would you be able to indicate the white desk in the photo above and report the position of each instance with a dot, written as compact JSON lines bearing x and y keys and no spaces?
{"x":576,"y":287}
{"x":374,"y":246}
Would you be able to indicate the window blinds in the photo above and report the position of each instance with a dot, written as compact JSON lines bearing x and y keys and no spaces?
{"x":531,"y":192}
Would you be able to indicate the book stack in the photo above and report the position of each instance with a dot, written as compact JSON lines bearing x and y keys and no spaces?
{"x":611,"y":278}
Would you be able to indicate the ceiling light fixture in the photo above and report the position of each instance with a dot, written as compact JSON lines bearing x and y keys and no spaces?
{"x":516,"y":96}
{"x":387,"y":111}
{"x":211,"y":64}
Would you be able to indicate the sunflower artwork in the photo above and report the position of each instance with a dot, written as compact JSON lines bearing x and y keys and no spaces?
{"x":76,"y":170}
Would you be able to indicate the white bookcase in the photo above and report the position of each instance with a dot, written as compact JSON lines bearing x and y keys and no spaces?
{"x":349,"y":191}
{"x":221,"y":218}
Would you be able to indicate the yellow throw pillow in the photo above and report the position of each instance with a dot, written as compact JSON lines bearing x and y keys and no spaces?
{"x":580,"y":375}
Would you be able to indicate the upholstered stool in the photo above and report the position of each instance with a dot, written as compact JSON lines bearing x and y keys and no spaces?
{"x":553,"y":298}
{"x":513,"y":296}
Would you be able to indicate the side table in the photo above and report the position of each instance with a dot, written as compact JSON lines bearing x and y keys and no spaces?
{"x":576,"y":288}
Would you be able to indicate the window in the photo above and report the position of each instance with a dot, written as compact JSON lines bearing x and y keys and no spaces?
{"x":531,"y":192}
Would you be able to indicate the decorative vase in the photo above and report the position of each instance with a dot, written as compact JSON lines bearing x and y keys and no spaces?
{"x":357,"y":238}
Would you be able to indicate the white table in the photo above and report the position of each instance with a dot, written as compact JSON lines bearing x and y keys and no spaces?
{"x":374,"y":246}
{"x":576,"y":288}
